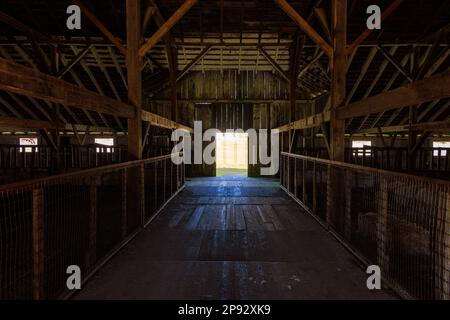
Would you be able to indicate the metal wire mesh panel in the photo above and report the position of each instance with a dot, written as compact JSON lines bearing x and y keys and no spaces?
{"x":363,"y":192}
{"x":16,"y":209}
{"x":400,"y":222}
{"x":66,"y":213}
{"x":109,"y":211}
{"x":150,"y":176}
{"x":76,"y":219}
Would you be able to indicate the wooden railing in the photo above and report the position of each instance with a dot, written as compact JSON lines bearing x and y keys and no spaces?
{"x":427,"y":161}
{"x":72,"y":157}
{"x":397,"y":221}
{"x":80,"y":218}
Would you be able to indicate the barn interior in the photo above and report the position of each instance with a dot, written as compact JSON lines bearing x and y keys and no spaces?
{"x":87,"y":178}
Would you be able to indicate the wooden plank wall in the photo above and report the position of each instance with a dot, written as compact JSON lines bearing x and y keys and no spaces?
{"x":231,"y":84}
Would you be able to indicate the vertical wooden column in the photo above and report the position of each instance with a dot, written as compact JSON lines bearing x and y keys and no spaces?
{"x":134,"y":76}
{"x":56,"y":117}
{"x":336,"y":203}
{"x":134,"y":66}
{"x":338,"y":77}
{"x":38,"y":244}
{"x":173,"y":67}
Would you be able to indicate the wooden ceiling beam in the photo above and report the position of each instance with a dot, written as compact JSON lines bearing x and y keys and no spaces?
{"x":19,"y":79}
{"x":418,"y":92}
{"x":305,"y":27}
{"x":309,"y":122}
{"x":15,"y":123}
{"x":437,"y":126}
{"x":165,"y":28}
{"x":26,"y":81}
{"x":159,"y":121}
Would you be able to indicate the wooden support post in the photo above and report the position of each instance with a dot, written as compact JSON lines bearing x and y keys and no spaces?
{"x":338,"y":78}
{"x":173,"y":83}
{"x":134,"y":67}
{"x":295,"y":65}
{"x":335,"y":205}
{"x":92,"y":251}
{"x":165,"y":28}
{"x":382,"y":225}
{"x":38,"y":244}
{"x":304,"y":25}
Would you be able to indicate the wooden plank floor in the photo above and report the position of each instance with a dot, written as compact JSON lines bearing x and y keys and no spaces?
{"x":232,"y":238}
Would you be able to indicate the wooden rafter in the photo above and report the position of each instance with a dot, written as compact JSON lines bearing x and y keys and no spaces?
{"x":13,"y":22}
{"x":418,"y":92}
{"x":15,"y":123}
{"x":101,"y":27}
{"x":185,"y":7}
{"x":364,"y":69}
{"x":274,"y":64}
{"x":110,"y":82}
{"x":74,"y":61}
{"x":395,"y":63}
{"x":305,"y":26}
{"x":194,"y":61}
{"x":369,"y":90}
{"x":436,"y":126}
{"x":367,"y":32}
{"x":94,"y":80}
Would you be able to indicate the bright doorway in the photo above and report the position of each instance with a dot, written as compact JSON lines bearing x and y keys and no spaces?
{"x":231,"y":154}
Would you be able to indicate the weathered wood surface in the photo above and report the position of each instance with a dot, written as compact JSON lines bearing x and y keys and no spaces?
{"x":232,"y":238}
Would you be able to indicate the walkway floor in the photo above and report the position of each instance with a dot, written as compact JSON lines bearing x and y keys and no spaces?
{"x":232,"y":238}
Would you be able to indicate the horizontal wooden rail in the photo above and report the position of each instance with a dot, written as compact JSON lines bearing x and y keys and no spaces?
{"x":365,"y":169}
{"x":19,"y":79}
{"x":308,"y":122}
{"x":83,"y":173}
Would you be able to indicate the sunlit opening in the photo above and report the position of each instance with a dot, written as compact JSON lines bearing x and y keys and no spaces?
{"x":231,"y":154}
